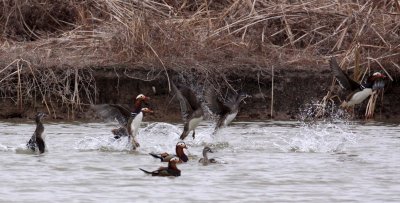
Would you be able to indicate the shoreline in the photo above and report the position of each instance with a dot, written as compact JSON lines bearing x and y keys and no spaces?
{"x":293,"y":92}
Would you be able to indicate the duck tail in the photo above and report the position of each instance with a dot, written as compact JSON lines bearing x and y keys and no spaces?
{"x":147,"y":172}
{"x":156,"y":156}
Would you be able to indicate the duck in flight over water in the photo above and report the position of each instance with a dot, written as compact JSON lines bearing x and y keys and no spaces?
{"x":191,"y":111}
{"x":129,"y":121}
{"x":359,"y":91}
{"x":226,"y":110}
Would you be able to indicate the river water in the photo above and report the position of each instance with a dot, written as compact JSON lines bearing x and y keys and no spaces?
{"x":258,"y":162}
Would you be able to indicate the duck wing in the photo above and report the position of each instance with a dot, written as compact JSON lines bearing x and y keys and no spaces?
{"x":215,"y":104}
{"x":31,"y":142}
{"x":41,"y":145}
{"x":113,"y":112}
{"x":186,"y":107}
{"x":344,"y":80}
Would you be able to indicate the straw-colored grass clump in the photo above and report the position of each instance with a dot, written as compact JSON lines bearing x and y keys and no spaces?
{"x":65,"y":39}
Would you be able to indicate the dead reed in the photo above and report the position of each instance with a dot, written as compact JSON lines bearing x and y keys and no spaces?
{"x":59,"y":42}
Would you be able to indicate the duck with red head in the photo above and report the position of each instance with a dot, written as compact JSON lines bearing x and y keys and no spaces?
{"x":171,"y":170}
{"x":179,"y":150}
{"x":37,"y":142}
{"x":360,"y":91}
{"x":129,"y":121}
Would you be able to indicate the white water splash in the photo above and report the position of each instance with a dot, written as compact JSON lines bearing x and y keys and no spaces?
{"x":318,"y":137}
{"x":103,"y":143}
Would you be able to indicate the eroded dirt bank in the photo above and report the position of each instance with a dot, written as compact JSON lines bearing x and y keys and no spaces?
{"x":294,"y":89}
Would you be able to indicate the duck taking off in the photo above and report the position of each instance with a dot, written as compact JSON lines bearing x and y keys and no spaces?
{"x":191,"y":111}
{"x":179,"y":150}
{"x":360,"y":91}
{"x":36,"y":142}
{"x":129,"y":122}
{"x":205,"y":160}
{"x":171,"y":170}
{"x":225,"y":110}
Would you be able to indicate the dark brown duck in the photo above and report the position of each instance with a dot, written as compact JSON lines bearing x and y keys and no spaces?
{"x":36,"y":141}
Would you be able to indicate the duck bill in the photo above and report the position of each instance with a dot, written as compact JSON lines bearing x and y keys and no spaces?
{"x":149,"y":111}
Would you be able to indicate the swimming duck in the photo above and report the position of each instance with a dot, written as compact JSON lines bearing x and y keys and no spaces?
{"x":165,"y":157}
{"x":129,"y":121}
{"x":191,"y":110}
{"x":359,"y":91}
{"x":227,"y":110}
{"x":205,"y":160}
{"x":36,"y":141}
{"x":171,"y":170}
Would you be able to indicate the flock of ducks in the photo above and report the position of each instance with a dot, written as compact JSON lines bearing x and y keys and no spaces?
{"x":129,"y":123}
{"x":192,"y":114}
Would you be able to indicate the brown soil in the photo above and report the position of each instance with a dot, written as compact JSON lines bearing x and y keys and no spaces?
{"x":293,"y":91}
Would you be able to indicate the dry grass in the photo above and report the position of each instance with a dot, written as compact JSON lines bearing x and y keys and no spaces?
{"x":67,"y":38}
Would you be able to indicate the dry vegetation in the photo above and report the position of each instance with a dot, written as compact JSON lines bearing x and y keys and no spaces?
{"x":50,"y":48}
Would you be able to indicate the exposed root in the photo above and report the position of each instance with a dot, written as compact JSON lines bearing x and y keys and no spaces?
{"x":25,"y":85}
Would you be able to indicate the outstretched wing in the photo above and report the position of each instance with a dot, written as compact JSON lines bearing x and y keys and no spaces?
{"x":186,"y":108}
{"x":344,"y":80}
{"x":111,"y":112}
{"x":214,"y":103}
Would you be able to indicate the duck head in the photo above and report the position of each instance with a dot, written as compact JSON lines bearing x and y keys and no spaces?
{"x":39,"y":116}
{"x":172,"y":163}
{"x":139,"y":100}
{"x":174,"y":160}
{"x":181,"y":144}
{"x":378,"y":75}
{"x":142,"y":97}
{"x":207,"y":149}
{"x":147,"y":110}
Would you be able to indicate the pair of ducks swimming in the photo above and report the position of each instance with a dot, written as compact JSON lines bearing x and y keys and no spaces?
{"x":173,"y":160}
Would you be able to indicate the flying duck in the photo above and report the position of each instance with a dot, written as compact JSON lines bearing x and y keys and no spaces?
{"x":165,"y":157}
{"x":129,"y":121}
{"x":191,"y":110}
{"x":205,"y":160}
{"x":359,"y":91}
{"x":36,"y":141}
{"x":171,"y":170}
{"x":226,"y":110}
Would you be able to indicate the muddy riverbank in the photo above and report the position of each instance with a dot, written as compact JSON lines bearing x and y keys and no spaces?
{"x":293,"y":91}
